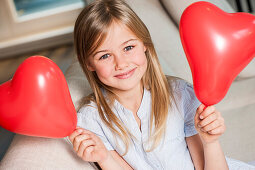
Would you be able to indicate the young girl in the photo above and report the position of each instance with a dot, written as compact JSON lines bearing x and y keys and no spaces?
{"x":137,"y":118}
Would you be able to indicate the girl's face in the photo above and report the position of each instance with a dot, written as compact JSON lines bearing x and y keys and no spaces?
{"x":120,"y":61}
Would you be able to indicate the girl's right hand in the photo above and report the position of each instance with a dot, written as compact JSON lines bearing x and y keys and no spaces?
{"x":88,"y":146}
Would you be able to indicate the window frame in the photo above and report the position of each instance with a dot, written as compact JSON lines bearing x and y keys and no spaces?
{"x":37,"y":30}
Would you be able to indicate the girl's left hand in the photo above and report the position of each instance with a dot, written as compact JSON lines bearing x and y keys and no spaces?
{"x":209,"y":124}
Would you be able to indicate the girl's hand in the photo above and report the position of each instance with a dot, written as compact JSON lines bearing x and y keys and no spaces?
{"x":209,"y":124}
{"x":88,"y":146}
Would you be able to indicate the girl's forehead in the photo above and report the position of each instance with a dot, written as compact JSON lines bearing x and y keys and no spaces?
{"x":117,"y":34}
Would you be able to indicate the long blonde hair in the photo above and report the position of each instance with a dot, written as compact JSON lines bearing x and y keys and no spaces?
{"x":90,"y":30}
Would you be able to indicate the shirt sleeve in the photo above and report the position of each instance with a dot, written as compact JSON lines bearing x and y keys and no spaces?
{"x":190,"y":105}
{"x":87,"y":119}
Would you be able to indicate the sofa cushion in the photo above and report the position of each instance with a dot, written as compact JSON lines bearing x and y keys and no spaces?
{"x":38,"y":153}
{"x":248,"y":71}
{"x":238,"y":141}
{"x":77,"y":82}
{"x":240,"y":94}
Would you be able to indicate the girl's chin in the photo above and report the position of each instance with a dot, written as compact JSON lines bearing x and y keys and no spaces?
{"x":124,"y":84}
{"x":127,"y":86}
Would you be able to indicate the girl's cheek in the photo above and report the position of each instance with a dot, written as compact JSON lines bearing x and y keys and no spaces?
{"x":140,"y":58}
{"x":103,"y":71}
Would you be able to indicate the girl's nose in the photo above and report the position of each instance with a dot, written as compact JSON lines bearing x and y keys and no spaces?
{"x":120,"y":62}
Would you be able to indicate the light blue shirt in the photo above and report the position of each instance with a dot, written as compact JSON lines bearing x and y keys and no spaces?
{"x":172,"y":152}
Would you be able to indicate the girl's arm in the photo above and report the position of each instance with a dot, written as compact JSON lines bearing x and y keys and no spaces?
{"x":205,"y":147}
{"x":120,"y":160}
{"x":114,"y":161}
{"x":196,"y":151}
{"x":209,"y":156}
{"x":214,"y":156}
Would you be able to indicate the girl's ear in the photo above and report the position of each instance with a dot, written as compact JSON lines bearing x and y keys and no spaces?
{"x":144,"y":48}
{"x":90,"y":67}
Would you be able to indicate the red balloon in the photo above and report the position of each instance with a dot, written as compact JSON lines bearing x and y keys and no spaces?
{"x":37,"y":102}
{"x":218,"y":45}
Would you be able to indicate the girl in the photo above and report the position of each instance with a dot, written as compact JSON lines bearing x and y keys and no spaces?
{"x":137,"y":118}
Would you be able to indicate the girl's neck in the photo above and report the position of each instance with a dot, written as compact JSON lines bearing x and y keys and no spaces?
{"x":131,"y":99}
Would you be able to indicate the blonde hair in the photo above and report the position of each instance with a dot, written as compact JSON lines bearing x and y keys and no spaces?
{"x":90,"y":30}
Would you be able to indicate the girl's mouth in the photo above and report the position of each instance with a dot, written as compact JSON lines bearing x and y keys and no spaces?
{"x":125,"y":75}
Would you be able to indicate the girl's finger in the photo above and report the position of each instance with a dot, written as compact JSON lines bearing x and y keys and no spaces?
{"x":207,"y":112}
{"x":212,"y":117}
{"x":74,"y":134}
{"x":218,"y":131}
{"x":95,"y":138}
{"x":198,"y":112}
{"x":92,"y":135}
{"x":78,"y":140}
{"x":87,"y":152}
{"x":213,"y":125}
{"x":83,"y":146}
{"x":200,"y":108}
{"x":87,"y":132}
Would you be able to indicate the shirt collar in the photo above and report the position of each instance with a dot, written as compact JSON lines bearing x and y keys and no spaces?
{"x":144,"y":108}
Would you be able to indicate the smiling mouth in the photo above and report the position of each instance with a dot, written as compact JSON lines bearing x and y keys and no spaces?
{"x":125,"y":75}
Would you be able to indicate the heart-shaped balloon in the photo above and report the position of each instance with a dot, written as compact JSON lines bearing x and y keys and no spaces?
{"x":37,"y":102}
{"x":218,"y":45}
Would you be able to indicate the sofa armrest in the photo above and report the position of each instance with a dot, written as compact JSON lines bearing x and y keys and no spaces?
{"x":38,"y":153}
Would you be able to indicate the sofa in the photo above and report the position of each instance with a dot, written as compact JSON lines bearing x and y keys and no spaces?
{"x":162,"y":19}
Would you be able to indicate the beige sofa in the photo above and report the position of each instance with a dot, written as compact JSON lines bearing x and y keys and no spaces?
{"x":162,"y":18}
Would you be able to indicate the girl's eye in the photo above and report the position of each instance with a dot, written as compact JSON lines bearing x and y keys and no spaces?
{"x":128,"y":48}
{"x":104,"y":56}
